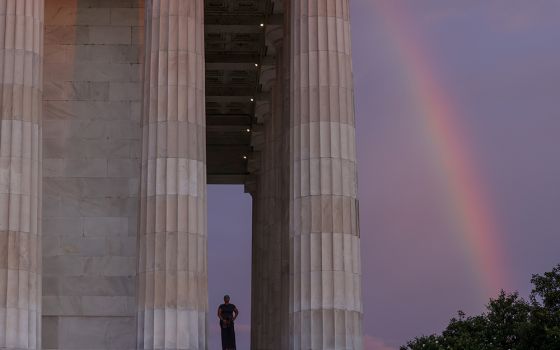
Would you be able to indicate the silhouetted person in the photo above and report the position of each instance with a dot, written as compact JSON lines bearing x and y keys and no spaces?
{"x":227,"y":313}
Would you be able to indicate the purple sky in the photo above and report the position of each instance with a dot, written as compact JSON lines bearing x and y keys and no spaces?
{"x":500,"y":62}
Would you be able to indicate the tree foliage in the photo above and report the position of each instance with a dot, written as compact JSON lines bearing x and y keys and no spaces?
{"x":509,"y":322}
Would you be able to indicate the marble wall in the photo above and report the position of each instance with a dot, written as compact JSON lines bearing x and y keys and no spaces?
{"x":91,"y":151}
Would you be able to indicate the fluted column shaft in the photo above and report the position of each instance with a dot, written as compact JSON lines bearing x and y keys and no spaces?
{"x":172,"y":268}
{"x":21,"y":52}
{"x":269,"y":328}
{"x":257,"y":270}
{"x":325,"y":298}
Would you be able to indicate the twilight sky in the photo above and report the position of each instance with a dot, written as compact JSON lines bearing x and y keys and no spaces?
{"x":428,"y":73}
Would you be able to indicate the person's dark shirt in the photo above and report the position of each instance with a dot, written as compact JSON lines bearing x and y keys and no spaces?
{"x":227,"y":311}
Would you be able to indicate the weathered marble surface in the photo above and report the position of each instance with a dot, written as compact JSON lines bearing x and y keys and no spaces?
{"x":91,"y":169}
{"x":21,"y":51}
{"x":325,"y":297}
{"x":270,"y":283}
{"x":84,"y":333}
{"x":172,"y":276}
{"x":306,"y":250}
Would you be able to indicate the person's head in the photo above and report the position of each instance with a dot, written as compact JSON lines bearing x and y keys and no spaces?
{"x":226,"y":298}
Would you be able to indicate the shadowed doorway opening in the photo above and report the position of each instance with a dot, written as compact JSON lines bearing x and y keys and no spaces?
{"x":229,"y":259}
{"x":234,"y":42}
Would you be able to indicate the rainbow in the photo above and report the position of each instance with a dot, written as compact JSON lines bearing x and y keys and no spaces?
{"x":471,"y":206}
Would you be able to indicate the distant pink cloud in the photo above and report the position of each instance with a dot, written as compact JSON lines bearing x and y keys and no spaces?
{"x":372,"y":343}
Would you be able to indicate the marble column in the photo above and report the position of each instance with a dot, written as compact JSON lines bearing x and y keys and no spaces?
{"x":21,"y":52}
{"x":325,"y":297}
{"x":257,"y":271}
{"x":172,"y":268}
{"x":269,"y":329}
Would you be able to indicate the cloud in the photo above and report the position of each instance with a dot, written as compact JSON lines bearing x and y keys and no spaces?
{"x":372,"y":343}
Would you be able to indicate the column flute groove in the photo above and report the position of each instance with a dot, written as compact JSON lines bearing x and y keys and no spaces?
{"x":172,"y":244}
{"x":21,"y":55}
{"x":325,"y":286}
{"x":270,"y":282}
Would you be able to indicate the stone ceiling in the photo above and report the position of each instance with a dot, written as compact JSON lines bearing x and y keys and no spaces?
{"x":235,"y":49}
